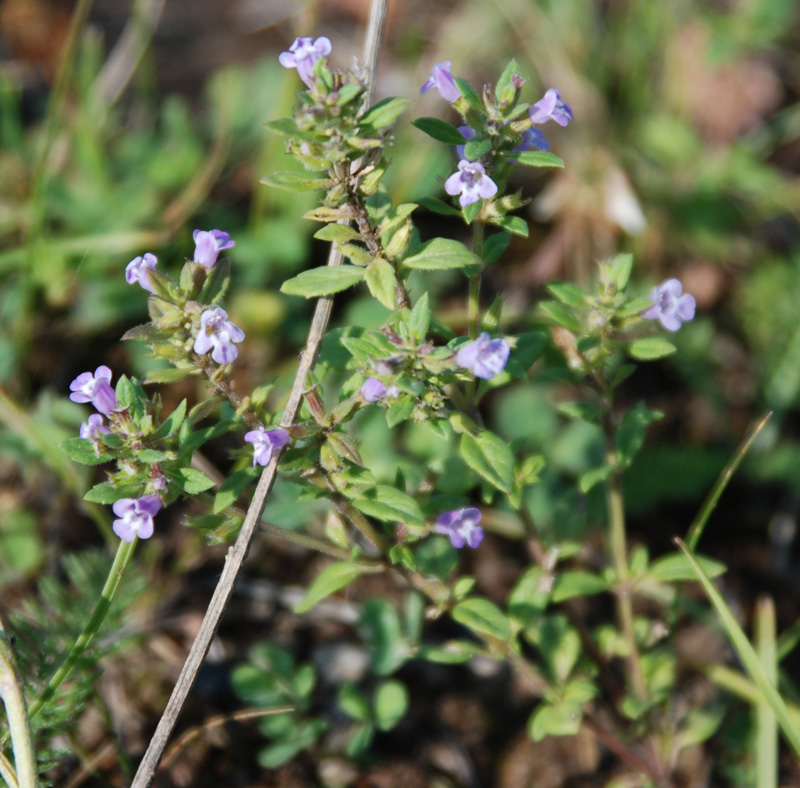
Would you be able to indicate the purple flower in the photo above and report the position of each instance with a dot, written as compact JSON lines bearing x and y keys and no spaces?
{"x":532,"y":138}
{"x":669,"y":306}
{"x":551,"y":107}
{"x":484,"y":357}
{"x":303,"y":54}
{"x":217,"y":332}
{"x":265,"y":442}
{"x":208,"y":244}
{"x":471,"y":182}
{"x":93,"y":428}
{"x":135,"y":517}
{"x":373,"y":390}
{"x":136,"y":270}
{"x":95,"y":389}
{"x":461,"y":526}
{"x":443,"y":81}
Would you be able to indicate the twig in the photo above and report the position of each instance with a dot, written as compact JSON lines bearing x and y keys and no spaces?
{"x":238,"y":553}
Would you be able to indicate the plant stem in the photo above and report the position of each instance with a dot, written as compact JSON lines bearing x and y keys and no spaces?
{"x":473,"y":310}
{"x":19,"y":721}
{"x":115,"y":575}
{"x":618,"y":545}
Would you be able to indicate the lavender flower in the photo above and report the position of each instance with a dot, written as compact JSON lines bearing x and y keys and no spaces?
{"x":93,"y":428}
{"x":303,"y":55}
{"x":471,"y":182}
{"x":136,"y":270}
{"x":218,"y":334}
{"x":265,"y":442}
{"x":443,"y":81}
{"x":373,"y":390}
{"x":551,"y":107}
{"x":532,"y":138}
{"x":208,"y":244}
{"x":669,"y":306}
{"x":95,"y":389}
{"x":135,"y":517}
{"x":484,"y":357}
{"x":461,"y":526}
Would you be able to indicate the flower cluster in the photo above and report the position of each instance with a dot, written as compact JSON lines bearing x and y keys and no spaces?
{"x":461,"y":526}
{"x":265,"y":442}
{"x":95,"y":389}
{"x":484,"y":357}
{"x":218,"y":334}
{"x":303,"y":55}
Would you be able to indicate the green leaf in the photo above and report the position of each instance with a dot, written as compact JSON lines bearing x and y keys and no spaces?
{"x":494,"y":246}
{"x":477,"y":147}
{"x":233,"y":487}
{"x":381,"y":281}
{"x":353,"y":702}
{"x":384,"y":636}
{"x":436,"y":205}
{"x":389,"y":505}
{"x":490,"y":457}
{"x":420,"y":318}
{"x":338,"y":233}
{"x":515,"y":225}
{"x":620,"y":273}
{"x":150,"y":456}
{"x":560,"y":645}
{"x":561,"y":719}
{"x":168,"y":375}
{"x":106,"y":493}
{"x":561,"y":315}
{"x":83,"y":451}
{"x":358,"y":255}
{"x":328,"y":582}
{"x":172,"y":423}
{"x":469,"y":93}
{"x":323,"y":281}
{"x":634,"y":307}
{"x":585,"y":411}
{"x":190,"y":481}
{"x":384,"y":112}
{"x":675,"y":567}
{"x":632,"y":431}
{"x":530,"y":596}
{"x":441,"y":254}
{"x":568,"y":293}
{"x":390,"y":704}
{"x":126,"y":395}
{"x":511,"y":70}
{"x":285,"y":126}
{"x":577,"y":583}
{"x":539,"y":158}
{"x":295,"y":182}
{"x":396,"y":216}
{"x":593,"y":477}
{"x":650,"y":348}
{"x":439,"y":130}
{"x":469,"y":212}
{"x":484,"y":617}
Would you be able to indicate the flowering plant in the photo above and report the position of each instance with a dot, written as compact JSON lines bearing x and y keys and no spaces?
{"x":418,"y":371}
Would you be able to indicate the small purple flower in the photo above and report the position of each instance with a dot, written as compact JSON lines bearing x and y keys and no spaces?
{"x":136,"y":517}
{"x":461,"y":526}
{"x":93,"y":428}
{"x":669,"y":306}
{"x":95,"y":389}
{"x":303,"y":54}
{"x":532,"y":139}
{"x":443,"y":81}
{"x":136,"y":270}
{"x":485,"y":357}
{"x":373,"y":390}
{"x":217,"y":332}
{"x":208,"y":244}
{"x":551,"y":107}
{"x":265,"y":442}
{"x":471,"y":182}
{"x":467,"y":132}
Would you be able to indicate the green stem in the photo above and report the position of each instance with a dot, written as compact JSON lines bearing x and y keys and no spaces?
{"x":19,"y":721}
{"x":618,"y":544}
{"x":115,"y":575}
{"x":473,"y":306}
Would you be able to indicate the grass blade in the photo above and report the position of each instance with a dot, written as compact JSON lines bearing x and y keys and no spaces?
{"x":746,"y":653}
{"x":766,"y":725}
